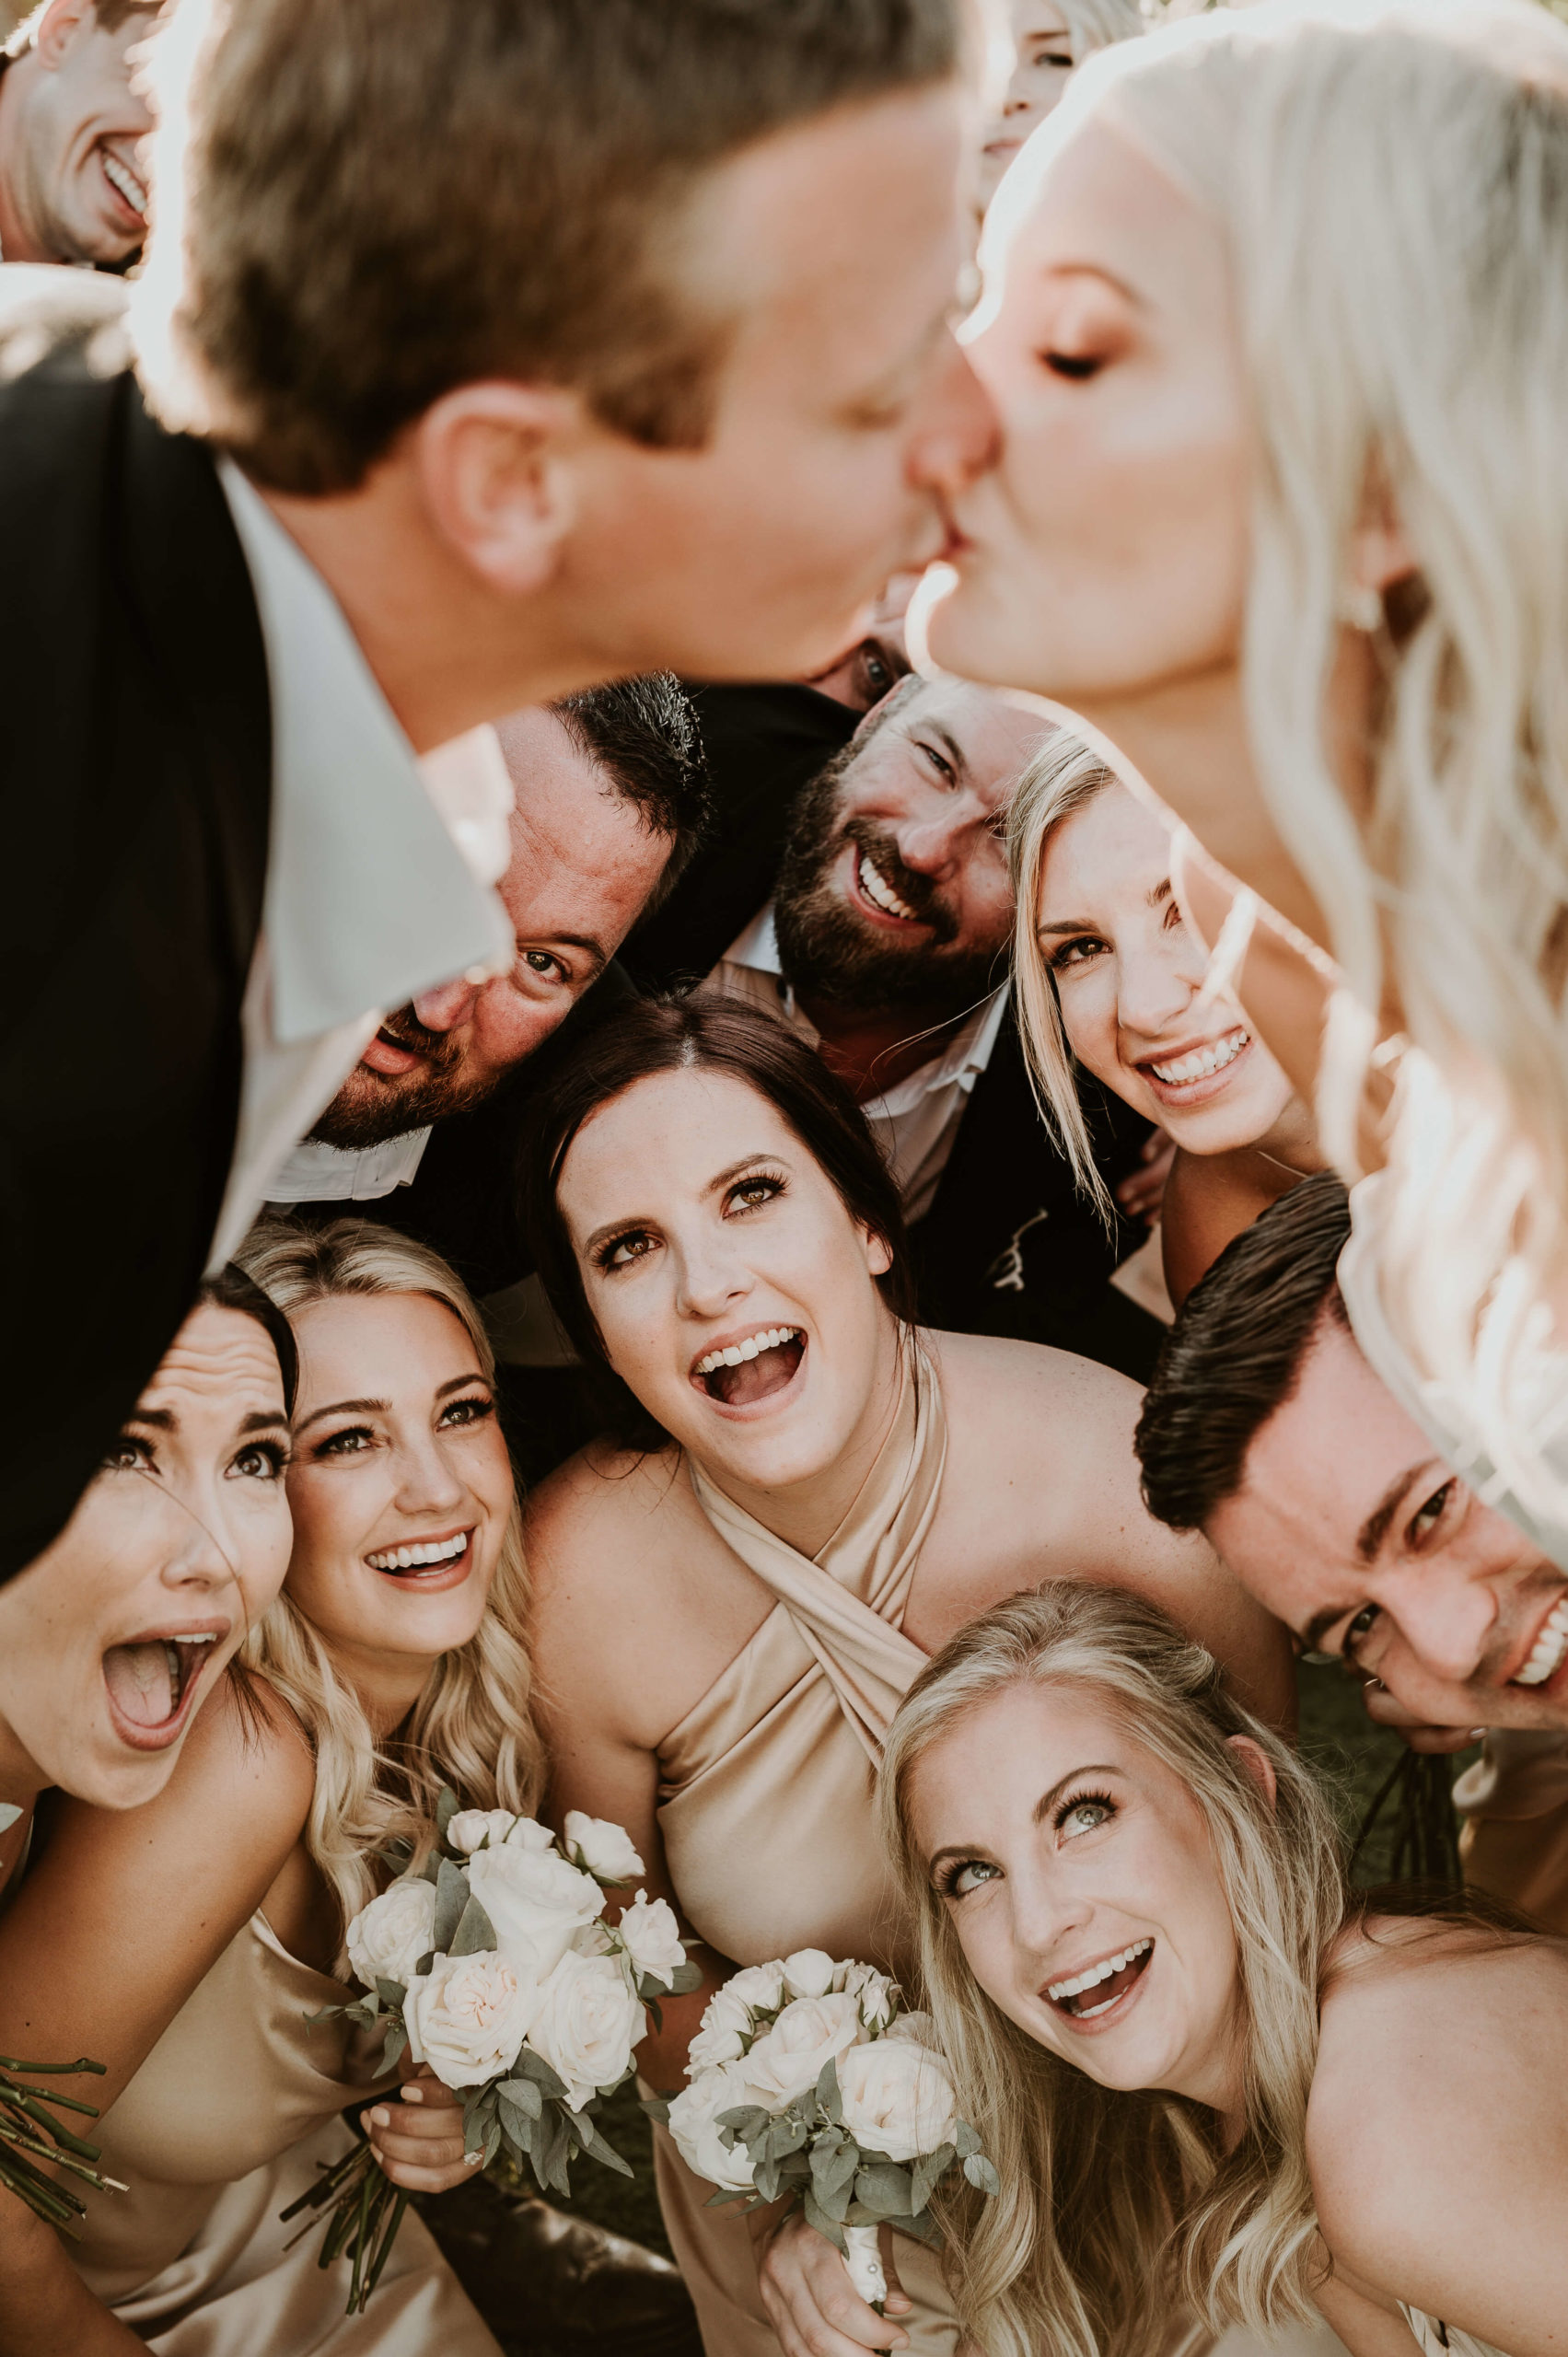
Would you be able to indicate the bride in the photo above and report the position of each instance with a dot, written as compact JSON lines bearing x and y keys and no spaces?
{"x":1202,"y":2067}
{"x":185,"y":1943}
{"x":801,"y":1497}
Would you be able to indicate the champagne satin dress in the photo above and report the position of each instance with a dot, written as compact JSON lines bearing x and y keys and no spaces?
{"x":766,"y":1808}
{"x":222,"y":2128}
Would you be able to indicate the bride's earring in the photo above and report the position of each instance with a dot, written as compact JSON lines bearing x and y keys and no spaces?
{"x":1359,"y":606}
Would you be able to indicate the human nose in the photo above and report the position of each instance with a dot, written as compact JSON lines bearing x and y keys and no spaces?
{"x":444,"y":1008}
{"x":1046,"y":1913}
{"x":1447,"y":1618}
{"x":960,"y":438}
{"x":1152,"y":991}
{"x":198,"y":1557}
{"x":932,"y":844}
{"x":710,"y":1280}
{"x":428,"y":1481}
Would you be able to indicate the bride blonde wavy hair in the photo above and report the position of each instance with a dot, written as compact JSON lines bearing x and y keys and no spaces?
{"x":1106,"y":2194}
{"x":1392,"y":182}
{"x":472,"y":1727}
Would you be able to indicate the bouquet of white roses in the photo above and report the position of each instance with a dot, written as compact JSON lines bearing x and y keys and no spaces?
{"x":811,"y":2078}
{"x":492,"y":1966}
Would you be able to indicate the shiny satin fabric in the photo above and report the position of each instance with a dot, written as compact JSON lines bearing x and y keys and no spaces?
{"x":222,"y":2127}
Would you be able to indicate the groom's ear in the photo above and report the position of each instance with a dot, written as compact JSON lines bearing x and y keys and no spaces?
{"x":1257,"y":1762}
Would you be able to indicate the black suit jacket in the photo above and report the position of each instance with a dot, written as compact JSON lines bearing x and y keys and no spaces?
{"x":135,"y":763}
{"x":1009,"y":1246}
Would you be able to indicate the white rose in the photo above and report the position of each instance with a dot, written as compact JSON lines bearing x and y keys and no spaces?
{"x":920,"y":2027}
{"x":897,"y":2098}
{"x":875,"y":1991}
{"x":472,"y":1828}
{"x":604,"y":1849}
{"x":536,"y":1902}
{"x":587,"y":2025}
{"x":693,"y":2123}
{"x":387,"y":1939}
{"x":467,"y":2017}
{"x":789,"y":2058}
{"x":760,"y":1987}
{"x":653,"y":1939}
{"x":726,"y":2023}
{"x":528,"y":1833}
{"x":808,"y":1973}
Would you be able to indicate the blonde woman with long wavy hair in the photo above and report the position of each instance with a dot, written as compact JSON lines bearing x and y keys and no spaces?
{"x":1204,"y":2070}
{"x":1276,"y":321}
{"x":186,"y":1945}
{"x":1111,"y":981}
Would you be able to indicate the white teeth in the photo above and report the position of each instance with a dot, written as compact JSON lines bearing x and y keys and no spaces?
{"x":880,"y":893}
{"x":408,"y":1559}
{"x":1202,"y":1061}
{"x":751,"y":1348}
{"x":209,"y":1639}
{"x":129,"y":187}
{"x":1078,"y":1982}
{"x":1548,"y":1651}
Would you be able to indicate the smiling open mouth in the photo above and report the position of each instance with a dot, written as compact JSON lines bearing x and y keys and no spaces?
{"x":126,"y":184}
{"x":423,"y":1559}
{"x":880,"y":893}
{"x":1083,"y":1996}
{"x":151,"y":1680}
{"x":1201,"y":1063}
{"x":1549,"y":1650}
{"x":744,"y":1372}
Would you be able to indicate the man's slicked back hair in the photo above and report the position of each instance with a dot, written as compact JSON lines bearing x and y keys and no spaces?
{"x":642,"y":732}
{"x":1237,"y":1351}
{"x":382,"y":200}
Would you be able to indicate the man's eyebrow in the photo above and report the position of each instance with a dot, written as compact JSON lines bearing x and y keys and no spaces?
{"x":1375,"y":1530}
{"x":584,"y":941}
{"x":949,"y":743}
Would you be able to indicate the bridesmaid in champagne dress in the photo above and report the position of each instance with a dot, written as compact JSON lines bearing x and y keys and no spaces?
{"x":184,"y":1946}
{"x":814,"y":1496}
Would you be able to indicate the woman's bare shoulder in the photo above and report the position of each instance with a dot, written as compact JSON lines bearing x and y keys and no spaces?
{"x":1433,"y":2081}
{"x":602,"y":1514}
{"x":985,"y":1374}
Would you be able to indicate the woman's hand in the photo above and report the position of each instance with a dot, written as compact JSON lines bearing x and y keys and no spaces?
{"x":812,"y":2305}
{"x":417,"y":2136}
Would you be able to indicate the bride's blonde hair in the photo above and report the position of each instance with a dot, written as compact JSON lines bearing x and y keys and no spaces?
{"x":1106,"y":2194}
{"x":1063,"y":775}
{"x":472,"y":1728}
{"x":1392,"y":184}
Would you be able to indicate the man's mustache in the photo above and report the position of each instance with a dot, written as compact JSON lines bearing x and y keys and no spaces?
{"x":439,"y":1049}
{"x":918,"y":893}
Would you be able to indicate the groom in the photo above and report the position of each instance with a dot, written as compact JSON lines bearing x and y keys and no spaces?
{"x":487,"y":352}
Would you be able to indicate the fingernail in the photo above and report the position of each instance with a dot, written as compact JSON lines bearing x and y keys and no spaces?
{"x":472,"y":2160}
{"x":380,"y":2117}
{"x":1478,"y":1735}
{"x":413,"y":2095}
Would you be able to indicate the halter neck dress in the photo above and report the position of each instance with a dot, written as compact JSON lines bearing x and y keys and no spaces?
{"x":766,"y":1806}
{"x":223,"y":2126}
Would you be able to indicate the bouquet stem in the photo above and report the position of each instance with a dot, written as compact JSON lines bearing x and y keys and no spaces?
{"x":365,"y":2210}
{"x":29,"y":2133}
{"x":863,"y":2256}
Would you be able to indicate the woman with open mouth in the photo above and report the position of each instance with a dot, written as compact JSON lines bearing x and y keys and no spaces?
{"x":112,"y":1640}
{"x":1111,"y":977}
{"x":801,"y":1497}
{"x":1243,"y":2086}
{"x":185,"y":1947}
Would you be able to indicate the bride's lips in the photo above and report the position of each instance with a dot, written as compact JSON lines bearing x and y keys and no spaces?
{"x":1180,"y":1093}
{"x":432,"y":1562}
{"x":154,"y":1679}
{"x":1111,"y":1996}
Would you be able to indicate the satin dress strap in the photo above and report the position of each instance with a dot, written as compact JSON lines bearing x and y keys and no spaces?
{"x":847,"y":1601}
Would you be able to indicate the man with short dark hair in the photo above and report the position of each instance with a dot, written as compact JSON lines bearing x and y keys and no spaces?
{"x":510,"y":349}
{"x":611,"y":799}
{"x":72,"y":174}
{"x":1265,"y":1428}
{"x":884,"y":940}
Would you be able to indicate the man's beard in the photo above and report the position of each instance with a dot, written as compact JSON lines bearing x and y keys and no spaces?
{"x":372,"y":1108}
{"x":829,"y":953}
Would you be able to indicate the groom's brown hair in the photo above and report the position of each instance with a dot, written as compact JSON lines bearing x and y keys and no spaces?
{"x":386,"y":199}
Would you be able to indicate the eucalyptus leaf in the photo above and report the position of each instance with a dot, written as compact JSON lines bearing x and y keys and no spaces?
{"x":885,"y":2190}
{"x":447,"y":1808}
{"x":452,"y":1897}
{"x":922,"y":2228}
{"x":657,"y":2108}
{"x":828,"y":2092}
{"x":749,"y":2125}
{"x":965,"y":2141}
{"x":327,"y":2014}
{"x":766,"y":2179}
{"x":824,"y":2223}
{"x":475,"y":1931}
{"x":656,"y":2010}
{"x":833,"y":2164}
{"x":524,"y":2094}
{"x":428,"y":1959}
{"x":392,"y":1994}
{"x":557,"y":2154}
{"x":596,"y":2147}
{"x":981,"y":2173}
{"x":9,"y":1813}
{"x":529,"y":2065}
{"x":927,"y":2174}
{"x":396,"y":2039}
{"x":687,"y":1976}
{"x":730,"y":2194}
{"x":786,"y":2135}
